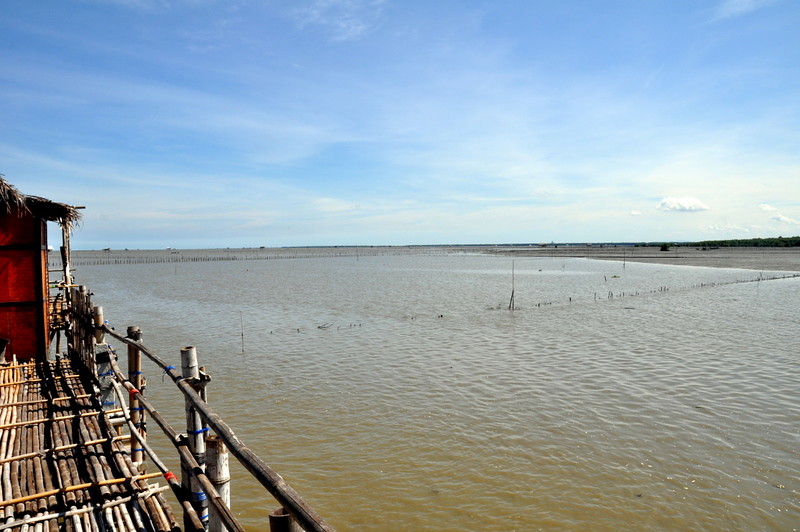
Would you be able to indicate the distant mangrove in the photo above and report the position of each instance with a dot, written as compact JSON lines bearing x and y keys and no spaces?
{"x":775,"y":242}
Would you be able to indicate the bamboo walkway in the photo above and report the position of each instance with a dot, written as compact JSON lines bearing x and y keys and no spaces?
{"x":63,"y":466}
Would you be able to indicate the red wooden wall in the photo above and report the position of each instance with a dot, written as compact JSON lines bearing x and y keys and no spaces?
{"x":23,"y":285}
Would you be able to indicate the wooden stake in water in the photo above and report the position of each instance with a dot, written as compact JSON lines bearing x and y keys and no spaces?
{"x":511,"y":302}
{"x":241,"y":325}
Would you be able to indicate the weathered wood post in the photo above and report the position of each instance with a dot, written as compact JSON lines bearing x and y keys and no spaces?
{"x":218,"y":473}
{"x":135,"y":377}
{"x":196,"y":434}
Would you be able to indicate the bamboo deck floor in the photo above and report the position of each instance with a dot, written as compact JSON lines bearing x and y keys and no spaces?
{"x":61,"y":467}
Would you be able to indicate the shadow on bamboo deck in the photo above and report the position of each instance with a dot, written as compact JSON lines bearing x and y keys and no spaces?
{"x":64,"y":467}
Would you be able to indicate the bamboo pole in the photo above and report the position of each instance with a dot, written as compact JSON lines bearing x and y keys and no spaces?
{"x":38,"y":441}
{"x":50,"y":400}
{"x":191,"y":519}
{"x":282,"y":521}
{"x":135,"y":376}
{"x":32,"y":381}
{"x":105,"y":376}
{"x":86,"y":485}
{"x":16,"y":471}
{"x":196,"y":434}
{"x":99,"y":335}
{"x":180,"y":443}
{"x":57,"y":418}
{"x":267,"y":477}
{"x":218,"y":472}
{"x":49,"y":483}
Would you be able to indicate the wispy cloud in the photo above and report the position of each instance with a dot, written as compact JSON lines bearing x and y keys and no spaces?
{"x":735,"y":8}
{"x":682,"y":205}
{"x":776,"y":215}
{"x":347,"y":19}
{"x":423,"y":122}
{"x":784,"y":219}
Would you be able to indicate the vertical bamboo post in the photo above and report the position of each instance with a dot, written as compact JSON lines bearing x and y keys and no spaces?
{"x":99,"y":335}
{"x":135,"y":377}
{"x":105,"y":376}
{"x":219,"y":474}
{"x":86,"y":349}
{"x":65,"y":254}
{"x":281,"y":521}
{"x":196,"y":434}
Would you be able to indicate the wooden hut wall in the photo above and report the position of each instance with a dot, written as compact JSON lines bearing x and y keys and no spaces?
{"x":23,"y":285}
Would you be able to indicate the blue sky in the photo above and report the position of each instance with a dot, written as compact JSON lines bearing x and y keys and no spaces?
{"x":210,"y":123}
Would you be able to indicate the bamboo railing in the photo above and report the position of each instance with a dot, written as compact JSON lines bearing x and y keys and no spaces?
{"x":287,"y":497}
{"x":198,"y":494}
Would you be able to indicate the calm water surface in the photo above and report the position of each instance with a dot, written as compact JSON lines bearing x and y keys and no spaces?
{"x":400,"y":393}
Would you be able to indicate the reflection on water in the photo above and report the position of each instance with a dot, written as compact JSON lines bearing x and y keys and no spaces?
{"x":399,"y":393}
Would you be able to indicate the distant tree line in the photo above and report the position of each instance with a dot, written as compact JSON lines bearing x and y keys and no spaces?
{"x":775,"y":242}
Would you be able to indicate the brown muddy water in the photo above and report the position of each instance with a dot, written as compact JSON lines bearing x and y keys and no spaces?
{"x":400,"y":393}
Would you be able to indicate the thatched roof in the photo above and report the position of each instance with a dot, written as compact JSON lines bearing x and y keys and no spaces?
{"x":12,"y":200}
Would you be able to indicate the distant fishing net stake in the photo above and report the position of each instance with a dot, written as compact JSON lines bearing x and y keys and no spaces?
{"x":511,"y":301}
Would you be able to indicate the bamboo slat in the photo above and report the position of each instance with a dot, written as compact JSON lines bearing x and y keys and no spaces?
{"x":52,"y":450}
{"x":73,"y":376}
{"x":105,"y":482}
{"x":57,"y":418}
{"x":62,"y":467}
{"x":40,"y":401}
{"x":87,"y":509}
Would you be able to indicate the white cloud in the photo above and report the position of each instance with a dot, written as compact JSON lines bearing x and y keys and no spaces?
{"x":682,"y":205}
{"x":735,"y":8}
{"x":784,"y":219}
{"x":636,"y":213}
{"x":777,"y":216}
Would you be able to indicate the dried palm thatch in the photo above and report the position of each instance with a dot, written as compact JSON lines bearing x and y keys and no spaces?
{"x":12,"y":200}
